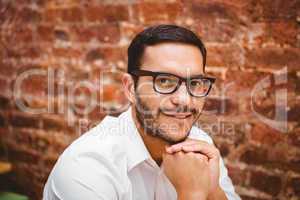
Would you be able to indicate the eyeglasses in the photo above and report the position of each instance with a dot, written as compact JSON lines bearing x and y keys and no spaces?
{"x":166,"y":83}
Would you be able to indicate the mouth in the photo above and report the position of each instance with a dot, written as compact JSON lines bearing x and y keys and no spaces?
{"x":178,"y":115}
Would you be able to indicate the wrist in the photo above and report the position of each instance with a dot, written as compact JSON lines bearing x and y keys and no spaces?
{"x":217,"y":194}
{"x":188,"y":195}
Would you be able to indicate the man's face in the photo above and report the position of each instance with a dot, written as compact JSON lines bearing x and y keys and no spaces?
{"x":168,"y":116}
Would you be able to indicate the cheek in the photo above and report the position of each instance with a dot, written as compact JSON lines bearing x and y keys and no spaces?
{"x":149,"y":97}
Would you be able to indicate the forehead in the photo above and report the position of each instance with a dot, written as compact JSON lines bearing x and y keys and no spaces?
{"x":177,"y":58}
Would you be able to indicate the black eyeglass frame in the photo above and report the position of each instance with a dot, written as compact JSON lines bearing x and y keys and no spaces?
{"x":137,"y":73}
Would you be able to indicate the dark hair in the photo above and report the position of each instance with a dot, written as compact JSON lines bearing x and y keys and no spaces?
{"x":158,"y":34}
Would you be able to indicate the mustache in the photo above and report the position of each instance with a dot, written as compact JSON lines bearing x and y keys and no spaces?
{"x":180,"y":109}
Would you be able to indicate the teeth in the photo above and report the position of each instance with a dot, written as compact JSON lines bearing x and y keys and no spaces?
{"x":178,"y":116}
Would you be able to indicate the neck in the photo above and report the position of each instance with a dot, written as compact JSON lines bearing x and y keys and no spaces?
{"x":155,"y":145}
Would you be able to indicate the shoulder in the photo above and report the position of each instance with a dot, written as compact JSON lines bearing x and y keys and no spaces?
{"x":105,"y":142}
{"x":105,"y":139}
{"x":99,"y":153}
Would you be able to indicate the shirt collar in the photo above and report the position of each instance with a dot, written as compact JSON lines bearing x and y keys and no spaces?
{"x":137,"y":152}
{"x":136,"y":149}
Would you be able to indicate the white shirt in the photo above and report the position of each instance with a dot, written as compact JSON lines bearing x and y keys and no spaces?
{"x":111,"y":162}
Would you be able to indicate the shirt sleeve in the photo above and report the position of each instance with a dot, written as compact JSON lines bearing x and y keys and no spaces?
{"x":226,"y":183}
{"x":88,"y":176}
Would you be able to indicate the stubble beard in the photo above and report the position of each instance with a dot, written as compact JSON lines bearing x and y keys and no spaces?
{"x":146,"y":119}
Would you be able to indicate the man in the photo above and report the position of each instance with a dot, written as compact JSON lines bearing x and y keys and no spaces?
{"x":151,"y":151}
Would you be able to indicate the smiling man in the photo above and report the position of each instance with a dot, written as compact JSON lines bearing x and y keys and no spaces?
{"x":151,"y":151}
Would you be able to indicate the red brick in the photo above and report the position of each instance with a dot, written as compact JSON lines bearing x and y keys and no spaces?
{"x":229,"y":56}
{"x":83,"y":99}
{"x":61,"y":35}
{"x":96,"y":115}
{"x":292,"y":187}
{"x":4,"y":103}
{"x":62,"y":4}
{"x":229,"y":130}
{"x":224,"y":149}
{"x":293,"y":113}
{"x":57,"y":124}
{"x":273,"y":58}
{"x":59,"y":142}
{"x":107,"y":33}
{"x":107,"y":13}
{"x":67,"y":52}
{"x":45,"y":33}
{"x":148,"y":12}
{"x":23,"y":120}
{"x":109,"y":92}
{"x":244,"y":80}
{"x":273,"y":10}
{"x":130,"y":30}
{"x":23,"y":33}
{"x":263,"y":134}
{"x":6,"y":68}
{"x":30,"y":51}
{"x":220,"y":106}
{"x":18,"y":155}
{"x":49,"y":161}
{"x":238,"y":176}
{"x":2,"y":120}
{"x":8,"y":10}
{"x":217,"y":31}
{"x":254,"y":156}
{"x":28,"y":15}
{"x":223,"y":146}
{"x":73,"y":14}
{"x":260,"y":93}
{"x":31,"y":2}
{"x":5,"y":89}
{"x":279,"y":157}
{"x":93,"y":55}
{"x":34,"y":140}
{"x":283,"y":33}
{"x":215,"y":9}
{"x":294,"y":137}
{"x":35,"y":104}
{"x":244,"y":197}
{"x":263,"y":182}
{"x":53,"y":15}
{"x":33,"y":84}
{"x":112,"y":54}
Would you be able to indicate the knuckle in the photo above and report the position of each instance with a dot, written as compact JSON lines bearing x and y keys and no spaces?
{"x":217,"y":152}
{"x":190,"y":154}
{"x":180,"y":153}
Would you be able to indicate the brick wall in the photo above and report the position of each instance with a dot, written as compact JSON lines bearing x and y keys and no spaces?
{"x":60,"y":68}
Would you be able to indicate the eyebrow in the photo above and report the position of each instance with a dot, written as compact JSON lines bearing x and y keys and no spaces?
{"x":193,"y":76}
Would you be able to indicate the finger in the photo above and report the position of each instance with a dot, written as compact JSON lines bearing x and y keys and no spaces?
{"x":209,"y":150}
{"x":202,"y":157}
{"x":168,"y":149}
{"x":178,"y":147}
{"x":186,"y":142}
{"x":179,"y":153}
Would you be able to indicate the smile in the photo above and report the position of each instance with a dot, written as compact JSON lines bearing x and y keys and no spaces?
{"x":178,"y":115}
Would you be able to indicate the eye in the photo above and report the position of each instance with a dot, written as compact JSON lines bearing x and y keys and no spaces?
{"x":196,"y":83}
{"x":165,"y":81}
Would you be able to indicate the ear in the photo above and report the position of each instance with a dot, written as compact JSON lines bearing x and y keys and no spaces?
{"x":128,"y":86}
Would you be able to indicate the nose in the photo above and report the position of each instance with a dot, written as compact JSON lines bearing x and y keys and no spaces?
{"x":181,"y":97}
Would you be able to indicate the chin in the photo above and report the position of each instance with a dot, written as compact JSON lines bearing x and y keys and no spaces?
{"x":173,"y":129}
{"x":176,"y":136}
